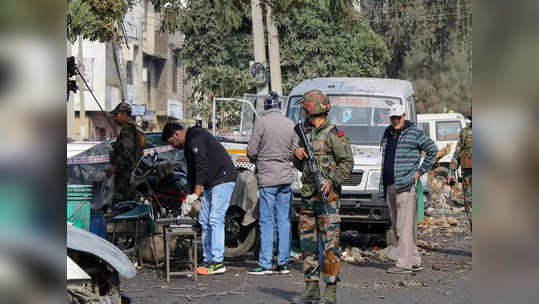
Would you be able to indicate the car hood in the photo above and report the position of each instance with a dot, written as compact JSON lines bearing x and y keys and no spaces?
{"x":366,"y":155}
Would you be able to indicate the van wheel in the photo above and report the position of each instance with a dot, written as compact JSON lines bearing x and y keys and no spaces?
{"x":238,"y":239}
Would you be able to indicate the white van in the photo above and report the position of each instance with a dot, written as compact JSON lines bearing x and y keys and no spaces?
{"x":444,"y":129}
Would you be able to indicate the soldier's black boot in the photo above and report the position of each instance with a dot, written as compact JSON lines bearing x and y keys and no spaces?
{"x":330,"y":294}
{"x":310,"y":295}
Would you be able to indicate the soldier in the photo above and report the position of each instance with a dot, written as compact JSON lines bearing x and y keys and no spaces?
{"x":463,"y":158}
{"x":333,"y":157}
{"x":125,"y":154}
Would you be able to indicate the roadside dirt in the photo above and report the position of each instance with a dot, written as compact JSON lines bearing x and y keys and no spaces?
{"x":446,"y":250}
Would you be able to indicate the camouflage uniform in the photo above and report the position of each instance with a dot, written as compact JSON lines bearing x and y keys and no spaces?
{"x":463,"y":158}
{"x":333,"y":157}
{"x":125,"y":154}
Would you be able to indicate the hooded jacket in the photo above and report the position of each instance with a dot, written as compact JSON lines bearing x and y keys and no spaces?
{"x":411,"y":142}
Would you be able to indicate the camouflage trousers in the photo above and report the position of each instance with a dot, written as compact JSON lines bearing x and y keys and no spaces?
{"x":312,"y":221}
{"x":467,"y":192}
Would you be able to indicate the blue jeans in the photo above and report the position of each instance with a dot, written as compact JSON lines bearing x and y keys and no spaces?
{"x":215,"y":202}
{"x":274,"y":200}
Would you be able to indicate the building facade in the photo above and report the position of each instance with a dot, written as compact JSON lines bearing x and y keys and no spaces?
{"x":144,"y":69}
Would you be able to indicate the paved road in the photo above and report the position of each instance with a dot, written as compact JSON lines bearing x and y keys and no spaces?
{"x":361,"y":282}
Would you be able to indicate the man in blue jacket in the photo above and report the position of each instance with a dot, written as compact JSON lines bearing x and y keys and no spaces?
{"x":402,"y":145}
{"x":211,"y":175}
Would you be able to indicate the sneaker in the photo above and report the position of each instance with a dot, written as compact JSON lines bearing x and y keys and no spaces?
{"x":213,"y":268}
{"x":282,"y":269}
{"x":417,"y":267}
{"x":259,"y":270}
{"x":216,"y":268}
{"x":398,"y":270}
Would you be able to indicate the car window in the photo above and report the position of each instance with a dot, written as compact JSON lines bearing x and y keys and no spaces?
{"x":425,"y":127}
{"x":447,"y":130}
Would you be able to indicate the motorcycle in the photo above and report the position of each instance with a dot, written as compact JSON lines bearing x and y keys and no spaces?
{"x":163,"y":188}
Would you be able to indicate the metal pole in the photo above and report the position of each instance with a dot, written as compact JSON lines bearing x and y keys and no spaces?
{"x":259,"y":46}
{"x":70,"y":106}
{"x":82,"y":107}
{"x":213,"y":118}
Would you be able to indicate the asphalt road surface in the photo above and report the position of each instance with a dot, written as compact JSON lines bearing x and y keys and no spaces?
{"x":446,"y":278}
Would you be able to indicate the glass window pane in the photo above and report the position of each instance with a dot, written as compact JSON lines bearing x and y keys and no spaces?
{"x":447,"y":130}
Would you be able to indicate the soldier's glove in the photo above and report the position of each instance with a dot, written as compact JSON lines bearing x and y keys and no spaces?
{"x":188,"y":203}
{"x":110,"y":170}
{"x":451,"y":180}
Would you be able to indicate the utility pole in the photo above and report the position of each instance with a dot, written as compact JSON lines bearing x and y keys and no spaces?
{"x":274,"y":56}
{"x":82,"y":116}
{"x":259,"y":47}
{"x":70,"y":107}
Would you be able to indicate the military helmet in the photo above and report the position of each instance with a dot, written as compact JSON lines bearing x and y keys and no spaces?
{"x":122,"y":106}
{"x":315,"y":102}
{"x":272,"y":100}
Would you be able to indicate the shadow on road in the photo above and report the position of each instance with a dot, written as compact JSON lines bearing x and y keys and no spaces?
{"x":286,"y":295}
{"x":448,"y":251}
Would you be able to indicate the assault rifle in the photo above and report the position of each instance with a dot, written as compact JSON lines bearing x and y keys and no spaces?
{"x":300,"y":130}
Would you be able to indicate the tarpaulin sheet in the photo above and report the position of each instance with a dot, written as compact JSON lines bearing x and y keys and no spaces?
{"x":87,"y":168}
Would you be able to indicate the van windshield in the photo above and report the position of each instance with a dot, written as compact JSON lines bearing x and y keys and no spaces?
{"x":362,"y":118}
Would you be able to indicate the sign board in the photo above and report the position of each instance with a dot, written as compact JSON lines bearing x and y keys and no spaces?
{"x":138,"y":110}
{"x":131,"y":94}
{"x":148,"y":116}
{"x":174,"y":109}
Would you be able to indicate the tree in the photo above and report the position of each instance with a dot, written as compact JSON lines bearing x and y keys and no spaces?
{"x":316,"y":44}
{"x":430,"y":44}
{"x":95,"y":20}
{"x":313,"y":44}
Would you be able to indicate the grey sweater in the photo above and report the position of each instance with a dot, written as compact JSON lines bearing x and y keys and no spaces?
{"x":271,"y":146}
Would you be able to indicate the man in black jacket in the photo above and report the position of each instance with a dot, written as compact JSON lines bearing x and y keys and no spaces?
{"x":210,"y":170}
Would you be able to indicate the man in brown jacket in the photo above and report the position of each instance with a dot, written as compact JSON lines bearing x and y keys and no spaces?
{"x":270,"y":148}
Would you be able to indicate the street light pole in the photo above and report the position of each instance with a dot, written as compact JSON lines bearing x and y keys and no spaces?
{"x":82,"y":116}
{"x":259,"y":47}
{"x":274,"y":56}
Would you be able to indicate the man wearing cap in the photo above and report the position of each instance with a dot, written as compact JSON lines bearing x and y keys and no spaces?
{"x":211,"y":175}
{"x":270,"y":148}
{"x":125,"y":154}
{"x":334,"y":160}
{"x":402,"y":146}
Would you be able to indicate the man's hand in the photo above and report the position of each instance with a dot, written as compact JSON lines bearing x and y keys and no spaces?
{"x":417,"y":175}
{"x":300,"y":153}
{"x":451,"y":180}
{"x":188,"y":203}
{"x":110,"y":170}
{"x":326,"y":187}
